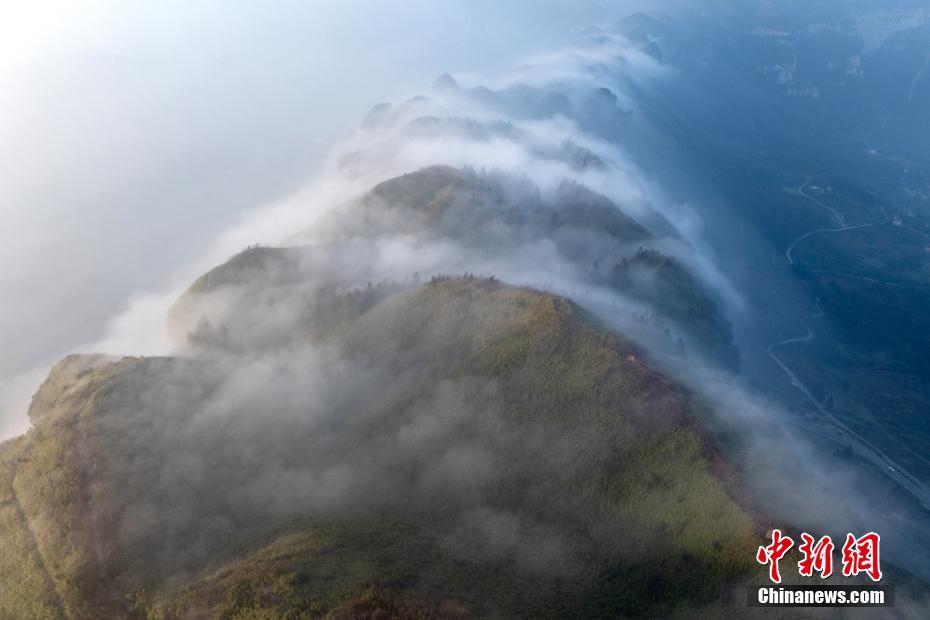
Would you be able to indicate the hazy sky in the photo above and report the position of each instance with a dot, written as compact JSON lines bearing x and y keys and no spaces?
{"x":131,"y":134}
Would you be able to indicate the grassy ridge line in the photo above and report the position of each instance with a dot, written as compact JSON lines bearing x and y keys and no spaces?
{"x":28,"y":589}
{"x":550,"y":361}
{"x":54,"y":485}
{"x":559,"y":379}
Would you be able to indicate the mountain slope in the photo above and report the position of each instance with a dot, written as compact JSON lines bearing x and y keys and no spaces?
{"x":461,"y":445}
{"x":447,"y":218}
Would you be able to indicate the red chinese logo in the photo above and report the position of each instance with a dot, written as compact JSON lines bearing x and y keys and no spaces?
{"x":859,"y":555}
{"x":817,"y":557}
{"x":773,"y":553}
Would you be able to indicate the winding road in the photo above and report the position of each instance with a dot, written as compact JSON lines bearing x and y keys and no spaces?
{"x":836,"y":215}
{"x":813,"y":232}
{"x":843,"y":434}
{"x":838,"y":218}
{"x":846,"y":437}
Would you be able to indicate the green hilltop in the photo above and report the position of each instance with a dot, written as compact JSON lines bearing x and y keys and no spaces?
{"x":475,"y":450}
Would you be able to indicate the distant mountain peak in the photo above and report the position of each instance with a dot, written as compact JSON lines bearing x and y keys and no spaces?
{"x":445,"y":82}
{"x":376,"y":115}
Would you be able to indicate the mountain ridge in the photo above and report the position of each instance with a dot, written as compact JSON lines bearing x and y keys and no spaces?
{"x":538,"y":349}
